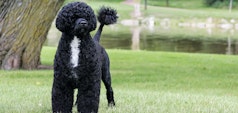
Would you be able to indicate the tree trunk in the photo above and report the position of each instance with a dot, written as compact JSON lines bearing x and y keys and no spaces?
{"x":145,"y":4}
{"x":24,"y":25}
{"x":167,"y":3}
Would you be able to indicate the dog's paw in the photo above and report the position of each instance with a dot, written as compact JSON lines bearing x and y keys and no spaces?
{"x":107,"y":15}
{"x":111,"y":104}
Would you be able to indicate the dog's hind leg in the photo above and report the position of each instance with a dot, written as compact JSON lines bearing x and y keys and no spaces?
{"x":106,"y":78}
{"x":62,"y":98}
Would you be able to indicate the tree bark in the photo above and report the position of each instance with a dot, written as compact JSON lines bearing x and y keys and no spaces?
{"x":167,"y":3}
{"x":24,"y":25}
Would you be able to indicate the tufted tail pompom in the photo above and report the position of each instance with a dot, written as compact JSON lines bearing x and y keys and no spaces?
{"x":107,"y":15}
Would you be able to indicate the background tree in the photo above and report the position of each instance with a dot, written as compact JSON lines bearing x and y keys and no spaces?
{"x":167,"y":3}
{"x":145,"y":4}
{"x":221,"y":3}
{"x":24,"y":25}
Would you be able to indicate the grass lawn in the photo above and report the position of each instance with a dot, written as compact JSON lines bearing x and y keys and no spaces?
{"x":124,"y":11}
{"x":179,"y":13}
{"x":143,"y":82}
{"x":190,"y":4}
{"x":180,"y":9}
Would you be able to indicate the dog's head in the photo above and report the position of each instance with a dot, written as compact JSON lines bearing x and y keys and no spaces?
{"x":76,"y":18}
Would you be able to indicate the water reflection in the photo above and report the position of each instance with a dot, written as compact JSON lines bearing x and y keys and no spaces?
{"x":228,"y":46}
{"x":164,"y":35}
{"x":218,"y":38}
{"x":136,"y":38}
{"x":191,"y":46}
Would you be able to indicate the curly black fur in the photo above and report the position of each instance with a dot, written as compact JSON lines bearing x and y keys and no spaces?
{"x":107,"y":15}
{"x":72,"y":11}
{"x":80,"y":62}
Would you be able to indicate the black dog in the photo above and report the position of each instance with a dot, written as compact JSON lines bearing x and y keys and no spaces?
{"x":80,"y":62}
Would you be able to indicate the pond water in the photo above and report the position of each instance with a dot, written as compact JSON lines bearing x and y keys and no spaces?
{"x":174,"y":45}
{"x":165,"y":38}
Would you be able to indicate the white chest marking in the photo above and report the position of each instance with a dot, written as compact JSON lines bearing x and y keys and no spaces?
{"x":75,"y":43}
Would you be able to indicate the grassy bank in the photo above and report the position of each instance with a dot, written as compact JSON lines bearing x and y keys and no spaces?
{"x":184,"y":9}
{"x":124,"y":11}
{"x":144,"y":82}
{"x":188,"y":4}
{"x":178,"y":13}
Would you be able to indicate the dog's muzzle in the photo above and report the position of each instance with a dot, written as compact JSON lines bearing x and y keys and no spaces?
{"x":81,"y":26}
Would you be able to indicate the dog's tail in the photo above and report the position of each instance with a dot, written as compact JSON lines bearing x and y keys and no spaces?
{"x":106,"y":16}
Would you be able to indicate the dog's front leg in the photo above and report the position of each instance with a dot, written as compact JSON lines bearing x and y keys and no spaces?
{"x":88,"y":100}
{"x":62,"y":98}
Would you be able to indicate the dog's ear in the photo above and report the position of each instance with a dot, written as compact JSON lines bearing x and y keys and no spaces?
{"x":107,"y":15}
{"x":62,"y":21}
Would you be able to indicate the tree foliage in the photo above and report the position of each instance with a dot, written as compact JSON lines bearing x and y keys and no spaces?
{"x":219,"y":3}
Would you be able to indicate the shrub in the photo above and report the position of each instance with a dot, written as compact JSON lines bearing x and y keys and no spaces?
{"x":220,"y":3}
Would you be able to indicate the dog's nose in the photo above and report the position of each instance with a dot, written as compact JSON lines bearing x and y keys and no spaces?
{"x":83,"y":22}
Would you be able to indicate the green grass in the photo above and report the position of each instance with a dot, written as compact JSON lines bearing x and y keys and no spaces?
{"x":178,"y":13}
{"x":123,"y":10}
{"x":188,"y":4}
{"x":143,"y":82}
{"x":191,"y":4}
{"x":180,"y":9}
